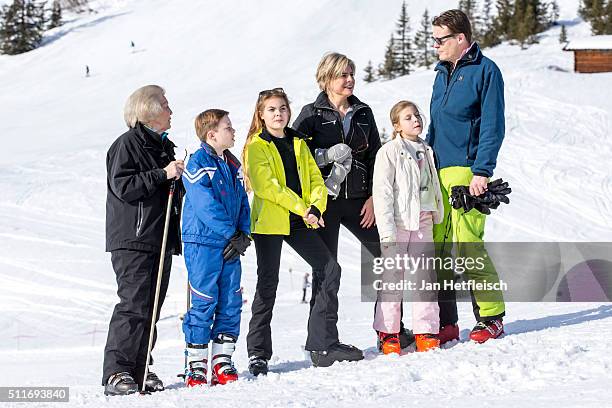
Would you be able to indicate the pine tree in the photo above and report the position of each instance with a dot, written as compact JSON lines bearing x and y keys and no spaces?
{"x":370,"y":74}
{"x":402,"y":50}
{"x":607,"y":28}
{"x":585,"y":9}
{"x":502,"y":23}
{"x":601,"y":17}
{"x":563,"y":35}
{"x":56,"y":15}
{"x":554,"y":12}
{"x":470,"y":8}
{"x":384,"y":136}
{"x":529,"y":18}
{"x":22,"y":26}
{"x":488,"y":34}
{"x":422,"y":41}
{"x":519,"y":28}
{"x":78,"y":6}
{"x":388,"y":69}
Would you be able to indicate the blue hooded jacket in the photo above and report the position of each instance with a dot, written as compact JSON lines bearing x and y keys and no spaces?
{"x":467,"y":113}
{"x":216,"y":204}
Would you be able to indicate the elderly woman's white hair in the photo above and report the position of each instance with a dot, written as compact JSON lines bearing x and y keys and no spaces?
{"x":143,"y":105}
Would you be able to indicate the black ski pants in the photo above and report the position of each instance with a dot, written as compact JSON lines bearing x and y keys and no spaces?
{"x":322,"y":330}
{"x":130,"y":324}
{"x":343,"y":211}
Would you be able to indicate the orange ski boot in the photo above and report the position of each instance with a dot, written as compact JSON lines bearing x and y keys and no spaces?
{"x":426,"y":342}
{"x":388,"y":343}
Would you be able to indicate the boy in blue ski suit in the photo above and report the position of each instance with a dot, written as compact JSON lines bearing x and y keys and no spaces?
{"x":216,"y":228}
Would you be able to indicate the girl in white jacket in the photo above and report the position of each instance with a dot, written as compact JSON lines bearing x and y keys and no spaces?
{"x":407,"y":202}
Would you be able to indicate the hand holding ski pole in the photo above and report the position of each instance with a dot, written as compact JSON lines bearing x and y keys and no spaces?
{"x":175,"y":169}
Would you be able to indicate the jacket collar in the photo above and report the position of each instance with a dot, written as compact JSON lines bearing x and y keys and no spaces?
{"x":289,"y":132}
{"x":151,"y":139}
{"x":209,"y":149}
{"x":473,"y":55}
{"x":323,"y":102}
{"x":228,"y":156}
{"x":402,"y":144}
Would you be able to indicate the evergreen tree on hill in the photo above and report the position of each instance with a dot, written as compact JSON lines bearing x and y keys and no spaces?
{"x":22,"y":26}
{"x":403,"y":53}
{"x":422,"y":40}
{"x":56,"y":15}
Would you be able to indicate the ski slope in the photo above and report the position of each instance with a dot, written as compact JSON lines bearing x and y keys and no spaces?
{"x":58,"y":287}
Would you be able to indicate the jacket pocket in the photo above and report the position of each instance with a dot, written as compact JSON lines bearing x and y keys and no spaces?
{"x":357,"y":179}
{"x":361,"y":143}
{"x":139,"y":218}
{"x":469,"y":141}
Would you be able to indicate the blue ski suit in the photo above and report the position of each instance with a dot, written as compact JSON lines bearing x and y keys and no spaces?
{"x":216,"y":206}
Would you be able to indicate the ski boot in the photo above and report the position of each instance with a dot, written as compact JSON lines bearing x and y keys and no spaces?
{"x":120,"y":384}
{"x":426,"y":342}
{"x":258,"y":365}
{"x":337,"y":352}
{"x":388,"y":343}
{"x":406,"y":337}
{"x":153,"y":383}
{"x":490,"y":329}
{"x":223,"y":370}
{"x":448,"y":333}
{"x":197,"y":364}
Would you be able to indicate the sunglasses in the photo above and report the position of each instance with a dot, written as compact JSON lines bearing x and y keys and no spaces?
{"x":273,"y":91}
{"x":440,"y":40}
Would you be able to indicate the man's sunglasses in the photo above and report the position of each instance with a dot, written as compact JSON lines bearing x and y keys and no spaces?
{"x":440,"y":40}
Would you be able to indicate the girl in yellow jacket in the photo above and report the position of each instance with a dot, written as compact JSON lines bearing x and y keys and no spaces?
{"x":289,"y":198}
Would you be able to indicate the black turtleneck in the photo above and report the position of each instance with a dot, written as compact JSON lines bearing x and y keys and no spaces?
{"x":284,"y":145}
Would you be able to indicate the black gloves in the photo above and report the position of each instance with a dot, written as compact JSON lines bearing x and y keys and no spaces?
{"x":496,"y":193}
{"x":237,"y":246}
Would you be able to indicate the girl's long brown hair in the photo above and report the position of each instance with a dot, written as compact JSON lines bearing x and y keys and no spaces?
{"x":257,"y":125}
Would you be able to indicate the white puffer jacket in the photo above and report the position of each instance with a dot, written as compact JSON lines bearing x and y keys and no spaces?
{"x":396,"y":190}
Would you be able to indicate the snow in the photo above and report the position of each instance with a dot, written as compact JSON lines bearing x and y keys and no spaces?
{"x":58,"y":287}
{"x":596,"y":42}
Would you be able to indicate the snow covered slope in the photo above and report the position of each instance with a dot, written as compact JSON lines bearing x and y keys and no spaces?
{"x":57,"y":287}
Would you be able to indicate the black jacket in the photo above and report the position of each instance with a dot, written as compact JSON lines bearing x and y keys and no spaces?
{"x":323,"y":125}
{"x":137,"y":193}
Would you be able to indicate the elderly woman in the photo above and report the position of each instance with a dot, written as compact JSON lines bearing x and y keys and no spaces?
{"x":140,"y":166}
{"x":344,"y":141}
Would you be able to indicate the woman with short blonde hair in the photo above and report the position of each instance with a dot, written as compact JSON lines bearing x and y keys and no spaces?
{"x":344,"y":140}
{"x":331,"y":67}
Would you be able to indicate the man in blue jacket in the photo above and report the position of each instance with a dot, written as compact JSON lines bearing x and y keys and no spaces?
{"x":466,"y":133}
{"x":216,"y":229}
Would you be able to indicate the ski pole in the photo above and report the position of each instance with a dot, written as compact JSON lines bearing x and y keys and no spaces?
{"x":183,"y":375}
{"x":159,"y":279}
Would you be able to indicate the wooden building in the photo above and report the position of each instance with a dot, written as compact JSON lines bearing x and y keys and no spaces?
{"x":592,"y":54}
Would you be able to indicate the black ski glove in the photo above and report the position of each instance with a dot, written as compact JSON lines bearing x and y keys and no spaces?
{"x":496,"y":193}
{"x":237,"y":246}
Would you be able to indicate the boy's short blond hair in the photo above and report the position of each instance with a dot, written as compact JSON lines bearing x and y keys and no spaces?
{"x":207,"y":121}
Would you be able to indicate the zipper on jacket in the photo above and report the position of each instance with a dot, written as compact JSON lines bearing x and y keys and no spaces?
{"x":467,"y":152}
{"x":451,"y":81}
{"x":139,"y":218}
